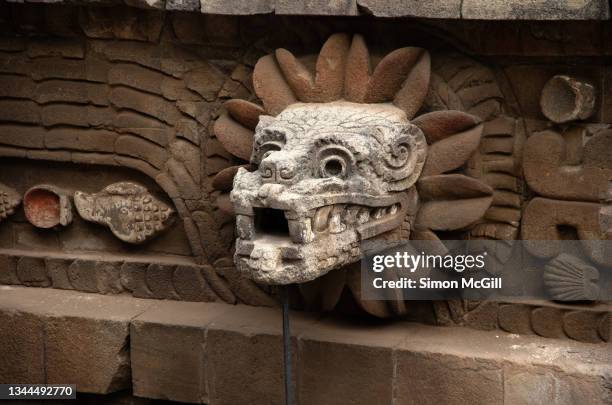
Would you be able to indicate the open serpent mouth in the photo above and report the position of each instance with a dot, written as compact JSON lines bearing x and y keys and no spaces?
{"x":281,"y":246}
{"x":329,"y":219}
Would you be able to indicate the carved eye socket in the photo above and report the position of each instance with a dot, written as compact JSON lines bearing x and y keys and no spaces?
{"x":333,"y":166}
{"x":267,"y":149}
{"x":335,"y":161}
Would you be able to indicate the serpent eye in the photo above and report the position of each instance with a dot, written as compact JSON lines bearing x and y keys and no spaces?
{"x":335,"y":161}
{"x":333,"y":166}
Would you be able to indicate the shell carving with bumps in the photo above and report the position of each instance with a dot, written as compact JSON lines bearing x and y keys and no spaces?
{"x":128,"y":209}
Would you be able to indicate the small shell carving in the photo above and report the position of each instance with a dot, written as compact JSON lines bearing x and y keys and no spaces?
{"x":47,"y":206}
{"x":568,"y":278}
{"x":128,"y":209}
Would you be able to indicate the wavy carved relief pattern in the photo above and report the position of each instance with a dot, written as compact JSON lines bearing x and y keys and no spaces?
{"x":126,"y":103}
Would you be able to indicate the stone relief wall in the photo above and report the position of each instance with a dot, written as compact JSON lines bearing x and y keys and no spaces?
{"x":140,"y":92}
{"x":96,"y":90}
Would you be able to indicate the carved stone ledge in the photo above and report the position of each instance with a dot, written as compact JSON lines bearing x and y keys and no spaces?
{"x":196,"y":352}
{"x":447,"y":9}
{"x":160,"y":277}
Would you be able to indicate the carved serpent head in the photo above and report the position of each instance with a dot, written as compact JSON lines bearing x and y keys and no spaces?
{"x":337,"y":158}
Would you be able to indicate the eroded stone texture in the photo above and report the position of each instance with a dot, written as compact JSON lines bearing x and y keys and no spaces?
{"x":548,"y":173}
{"x":167,"y":351}
{"x":128,"y":209}
{"x":555,"y":220}
{"x":565,"y":98}
{"x":9,"y":200}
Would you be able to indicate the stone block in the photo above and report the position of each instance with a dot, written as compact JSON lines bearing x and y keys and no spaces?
{"x":339,"y":360}
{"x":32,"y":272}
{"x":245,"y":347}
{"x":132,"y":276}
{"x":158,"y":279}
{"x":57,"y":270}
{"x":72,"y":92}
{"x":439,"y":378}
{"x":22,"y":136}
{"x":87,"y":342}
{"x":8,"y":269}
{"x":136,"y":77}
{"x":22,"y":349}
{"x":242,"y":8}
{"x":93,"y":140}
{"x":142,"y":149}
{"x":411,"y":8}
{"x":535,"y":10}
{"x":22,"y":111}
{"x":82,"y":275}
{"x":317,"y":7}
{"x":539,"y":385}
{"x":73,"y":49}
{"x":17,"y":86}
{"x":183,"y":5}
{"x":190,"y":284}
{"x":167,"y":350}
{"x":148,"y":104}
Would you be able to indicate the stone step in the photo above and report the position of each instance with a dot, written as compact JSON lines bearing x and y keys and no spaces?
{"x":224,"y":354}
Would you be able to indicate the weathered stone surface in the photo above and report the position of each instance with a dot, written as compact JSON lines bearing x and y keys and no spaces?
{"x":57,"y":269}
{"x":82,"y":275}
{"x":411,"y":8}
{"x":329,"y":355}
{"x":316,"y":7}
{"x":8,"y":269}
{"x":84,"y":339}
{"x":25,"y":137}
{"x":167,"y":346}
{"x":515,"y":318}
{"x":243,"y":8}
{"x":9,"y":200}
{"x":22,"y":346}
{"x":236,"y":138}
{"x":565,"y":99}
{"x":87,"y":342}
{"x":141,"y":149}
{"x":196,"y":352}
{"x":32,"y":271}
{"x":451,"y":201}
{"x":26,"y":112}
{"x":132,"y":276}
{"x":425,"y":377}
{"x":191,"y":285}
{"x":247,"y":347}
{"x":549,"y":175}
{"x":183,"y":5}
{"x":536,"y":10}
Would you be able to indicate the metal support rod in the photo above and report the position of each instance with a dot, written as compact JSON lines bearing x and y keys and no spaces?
{"x":287,"y":346}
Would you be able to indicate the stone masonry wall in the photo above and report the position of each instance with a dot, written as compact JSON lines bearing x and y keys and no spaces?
{"x":84,"y":89}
